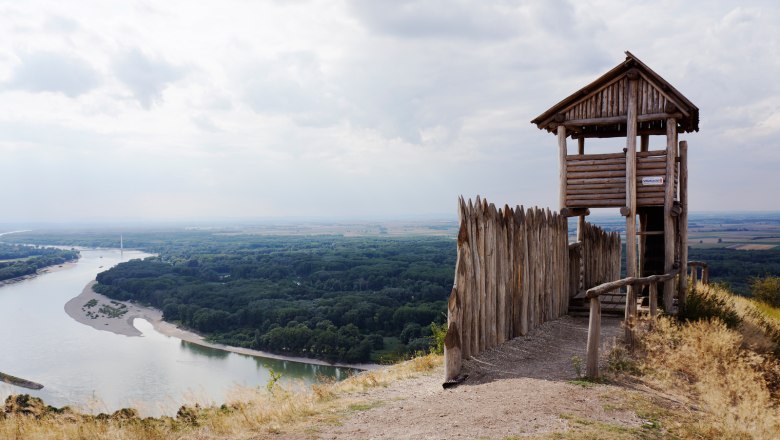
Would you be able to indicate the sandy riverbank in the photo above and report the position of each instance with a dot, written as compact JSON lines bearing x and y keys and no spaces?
{"x":76,"y":309}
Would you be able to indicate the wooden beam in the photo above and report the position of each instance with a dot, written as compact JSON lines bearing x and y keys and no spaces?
{"x":575,"y":123}
{"x":631,"y":127}
{"x":594,"y":338}
{"x":605,"y":288}
{"x":654,"y":300}
{"x":682,"y":220}
{"x":619,"y":156}
{"x":616,"y":133}
{"x":562,"y":156}
{"x":644,"y":154}
{"x":669,"y":231}
{"x":574,"y":212}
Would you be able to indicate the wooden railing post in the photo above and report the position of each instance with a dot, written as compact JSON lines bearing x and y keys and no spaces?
{"x":594,"y":337}
{"x":682,"y":220}
{"x":653,"y":300}
{"x":630,"y":315}
{"x":705,"y":275}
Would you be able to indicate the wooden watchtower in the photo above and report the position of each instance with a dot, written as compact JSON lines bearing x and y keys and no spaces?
{"x":633,"y":102}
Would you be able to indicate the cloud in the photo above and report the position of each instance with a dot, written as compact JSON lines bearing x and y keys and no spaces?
{"x":53,"y":72}
{"x":145,"y":76}
{"x":436,"y":18}
{"x":60,"y":24}
{"x":292,"y":84}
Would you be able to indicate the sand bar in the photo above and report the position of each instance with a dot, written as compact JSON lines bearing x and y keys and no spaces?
{"x":76,"y":308}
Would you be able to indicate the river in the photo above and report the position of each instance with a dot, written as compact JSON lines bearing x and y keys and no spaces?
{"x":99,"y":371}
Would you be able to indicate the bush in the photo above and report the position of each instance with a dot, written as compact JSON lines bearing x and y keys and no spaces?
{"x":766,"y":290}
{"x":703,"y":304}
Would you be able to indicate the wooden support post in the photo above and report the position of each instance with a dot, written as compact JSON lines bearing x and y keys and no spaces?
{"x":642,"y":244}
{"x":581,"y":145}
{"x":644,"y":144}
{"x":694,"y":275}
{"x":654,"y":299}
{"x":705,"y":275}
{"x":669,"y":231}
{"x":562,"y":156}
{"x":630,"y":315}
{"x":631,"y":133}
{"x":683,"y":223}
{"x":594,"y":337}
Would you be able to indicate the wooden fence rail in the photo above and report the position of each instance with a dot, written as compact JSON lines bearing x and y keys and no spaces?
{"x":594,"y":324}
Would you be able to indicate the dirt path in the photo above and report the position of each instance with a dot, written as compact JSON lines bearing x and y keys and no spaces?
{"x":522,"y":387}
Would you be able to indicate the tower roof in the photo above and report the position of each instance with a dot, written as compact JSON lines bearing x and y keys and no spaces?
{"x":599,"y":109}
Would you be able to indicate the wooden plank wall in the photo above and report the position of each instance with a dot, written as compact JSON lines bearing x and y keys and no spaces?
{"x":599,"y":180}
{"x":512,"y":274}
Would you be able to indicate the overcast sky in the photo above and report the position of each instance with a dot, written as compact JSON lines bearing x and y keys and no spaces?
{"x":355,"y":109}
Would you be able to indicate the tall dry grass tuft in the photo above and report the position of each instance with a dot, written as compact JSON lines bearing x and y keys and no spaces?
{"x":250,"y":413}
{"x":729,"y":372}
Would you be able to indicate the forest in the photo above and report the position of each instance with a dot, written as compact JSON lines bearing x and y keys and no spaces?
{"x":736,"y":268}
{"x":18,"y":260}
{"x":349,"y":299}
{"x":333,"y":298}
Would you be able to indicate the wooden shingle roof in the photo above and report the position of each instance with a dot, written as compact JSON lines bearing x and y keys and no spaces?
{"x":599,"y":109}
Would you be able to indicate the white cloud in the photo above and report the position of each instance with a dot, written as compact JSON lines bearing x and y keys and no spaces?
{"x":53,"y":72}
{"x":146,"y":76}
{"x":354,"y":108}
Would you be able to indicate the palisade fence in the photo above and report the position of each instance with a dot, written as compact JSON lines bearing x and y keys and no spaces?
{"x":513,"y":274}
{"x":595,"y":259}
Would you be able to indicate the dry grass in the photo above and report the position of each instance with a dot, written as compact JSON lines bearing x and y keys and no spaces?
{"x":252,"y":413}
{"x":731,"y":374}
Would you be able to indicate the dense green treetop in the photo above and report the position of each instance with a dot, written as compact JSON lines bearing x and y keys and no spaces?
{"x":18,"y":260}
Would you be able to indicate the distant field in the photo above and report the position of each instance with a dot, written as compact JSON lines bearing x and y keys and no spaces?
{"x":752,"y":247}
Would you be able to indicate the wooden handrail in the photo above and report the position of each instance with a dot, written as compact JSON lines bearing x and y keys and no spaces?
{"x":705,"y":271}
{"x":594,"y":321}
{"x":601,"y":289}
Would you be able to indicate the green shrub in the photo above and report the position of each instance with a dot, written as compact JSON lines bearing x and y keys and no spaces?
{"x":766,"y":290}
{"x":439,"y":332}
{"x":704,"y":304}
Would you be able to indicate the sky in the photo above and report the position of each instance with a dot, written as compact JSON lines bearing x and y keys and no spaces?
{"x":181,"y":110}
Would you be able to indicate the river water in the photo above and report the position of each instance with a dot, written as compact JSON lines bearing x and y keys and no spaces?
{"x":98,"y":371}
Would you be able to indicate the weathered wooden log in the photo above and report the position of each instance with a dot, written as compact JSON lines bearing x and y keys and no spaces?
{"x":474,"y":283}
{"x":573,"y":212}
{"x":669,"y":230}
{"x":465,"y":267}
{"x":682,"y":220}
{"x":653,"y":300}
{"x":480,"y":272}
{"x":526,"y":287}
{"x":452,"y":341}
{"x":562,"y":157}
{"x":630,"y":201}
{"x":594,"y":339}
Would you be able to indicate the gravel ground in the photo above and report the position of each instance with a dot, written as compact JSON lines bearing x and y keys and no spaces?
{"x":519,"y":388}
